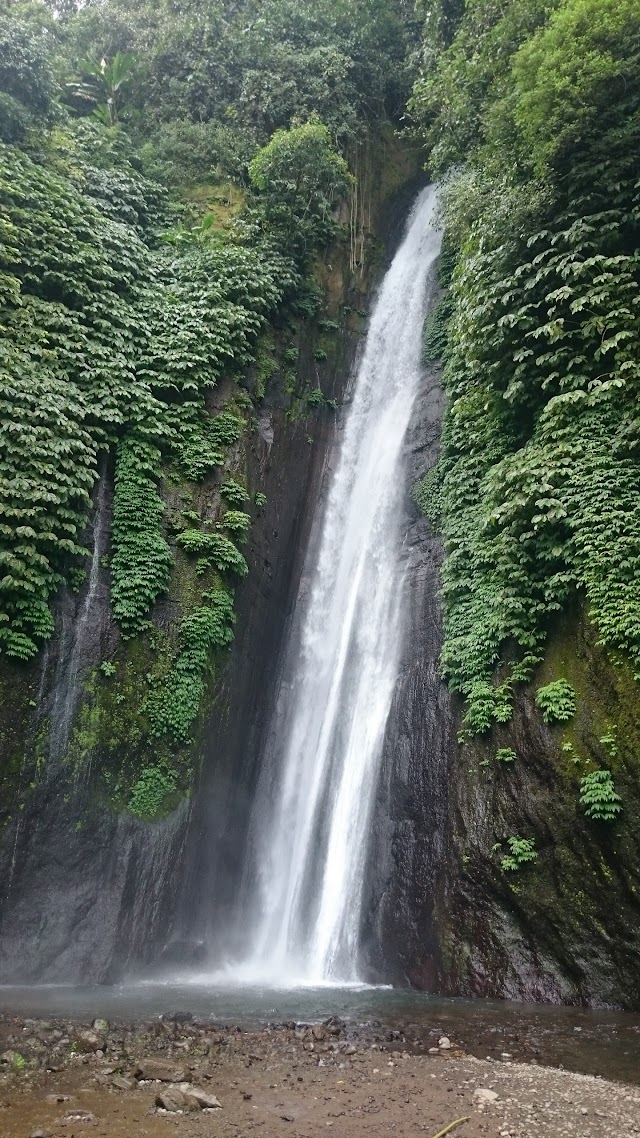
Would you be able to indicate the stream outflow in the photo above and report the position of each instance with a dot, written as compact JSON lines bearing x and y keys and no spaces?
{"x":313,"y":806}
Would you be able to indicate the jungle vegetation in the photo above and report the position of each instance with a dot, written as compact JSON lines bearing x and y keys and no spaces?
{"x":531,"y":112}
{"x":168,"y":176}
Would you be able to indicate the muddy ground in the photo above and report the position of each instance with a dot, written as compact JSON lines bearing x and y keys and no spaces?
{"x":65,"y":1080}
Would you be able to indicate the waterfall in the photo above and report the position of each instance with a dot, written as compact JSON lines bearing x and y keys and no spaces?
{"x":314,"y":800}
{"x":77,"y":631}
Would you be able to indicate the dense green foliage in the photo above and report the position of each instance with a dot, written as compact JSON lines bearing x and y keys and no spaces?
{"x":141,"y":559}
{"x":173,"y":708}
{"x":299,"y":178}
{"x":27,"y":86}
{"x":149,"y":793}
{"x":218,"y":80}
{"x":104,"y":332}
{"x":168,"y":177}
{"x":533,"y":108}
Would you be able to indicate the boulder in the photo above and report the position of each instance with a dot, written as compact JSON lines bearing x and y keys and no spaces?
{"x":12,"y":1059}
{"x":161,"y":1070}
{"x":88,"y":1040}
{"x":171,"y":1099}
{"x":123,"y":1084}
{"x":482,"y":1096}
{"x":204,"y":1099}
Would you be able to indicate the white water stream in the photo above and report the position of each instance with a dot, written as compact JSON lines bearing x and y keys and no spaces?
{"x":314,"y":801}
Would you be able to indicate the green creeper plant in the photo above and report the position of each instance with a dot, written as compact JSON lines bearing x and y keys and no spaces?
{"x":141,"y":560}
{"x":220,"y":551}
{"x":236,"y":522}
{"x":598,"y":796}
{"x":539,"y":468}
{"x":235,"y":494}
{"x":522,"y":851}
{"x":149,"y":793}
{"x":173,"y":708}
{"x":557,"y":701}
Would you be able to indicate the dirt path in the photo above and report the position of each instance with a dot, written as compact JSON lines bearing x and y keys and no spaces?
{"x":291,"y":1081}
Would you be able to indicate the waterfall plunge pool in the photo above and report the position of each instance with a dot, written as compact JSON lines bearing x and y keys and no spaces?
{"x":605,"y":1043}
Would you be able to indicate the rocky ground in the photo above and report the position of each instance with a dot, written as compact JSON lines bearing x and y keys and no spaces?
{"x":190,"y":1079}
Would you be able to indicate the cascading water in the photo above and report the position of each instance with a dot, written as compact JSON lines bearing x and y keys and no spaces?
{"x":76,"y":632}
{"x":314,"y":800}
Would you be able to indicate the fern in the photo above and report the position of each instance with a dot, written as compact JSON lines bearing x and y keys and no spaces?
{"x":522,"y":851}
{"x":598,"y":796}
{"x":557,"y":701}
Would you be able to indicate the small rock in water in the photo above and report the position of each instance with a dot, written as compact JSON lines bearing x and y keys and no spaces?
{"x":434,"y":1050}
{"x":101,"y":1026}
{"x":40,"y":1133}
{"x":444,"y":1043}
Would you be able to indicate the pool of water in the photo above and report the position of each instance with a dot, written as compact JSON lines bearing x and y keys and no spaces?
{"x":605,"y":1043}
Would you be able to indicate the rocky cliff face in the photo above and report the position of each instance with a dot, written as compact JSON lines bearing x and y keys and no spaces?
{"x":90,"y":891}
{"x":407,"y":851}
{"x":565,"y":928}
{"x":443,"y":913}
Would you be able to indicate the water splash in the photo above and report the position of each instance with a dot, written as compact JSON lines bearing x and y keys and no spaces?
{"x":313,"y":806}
